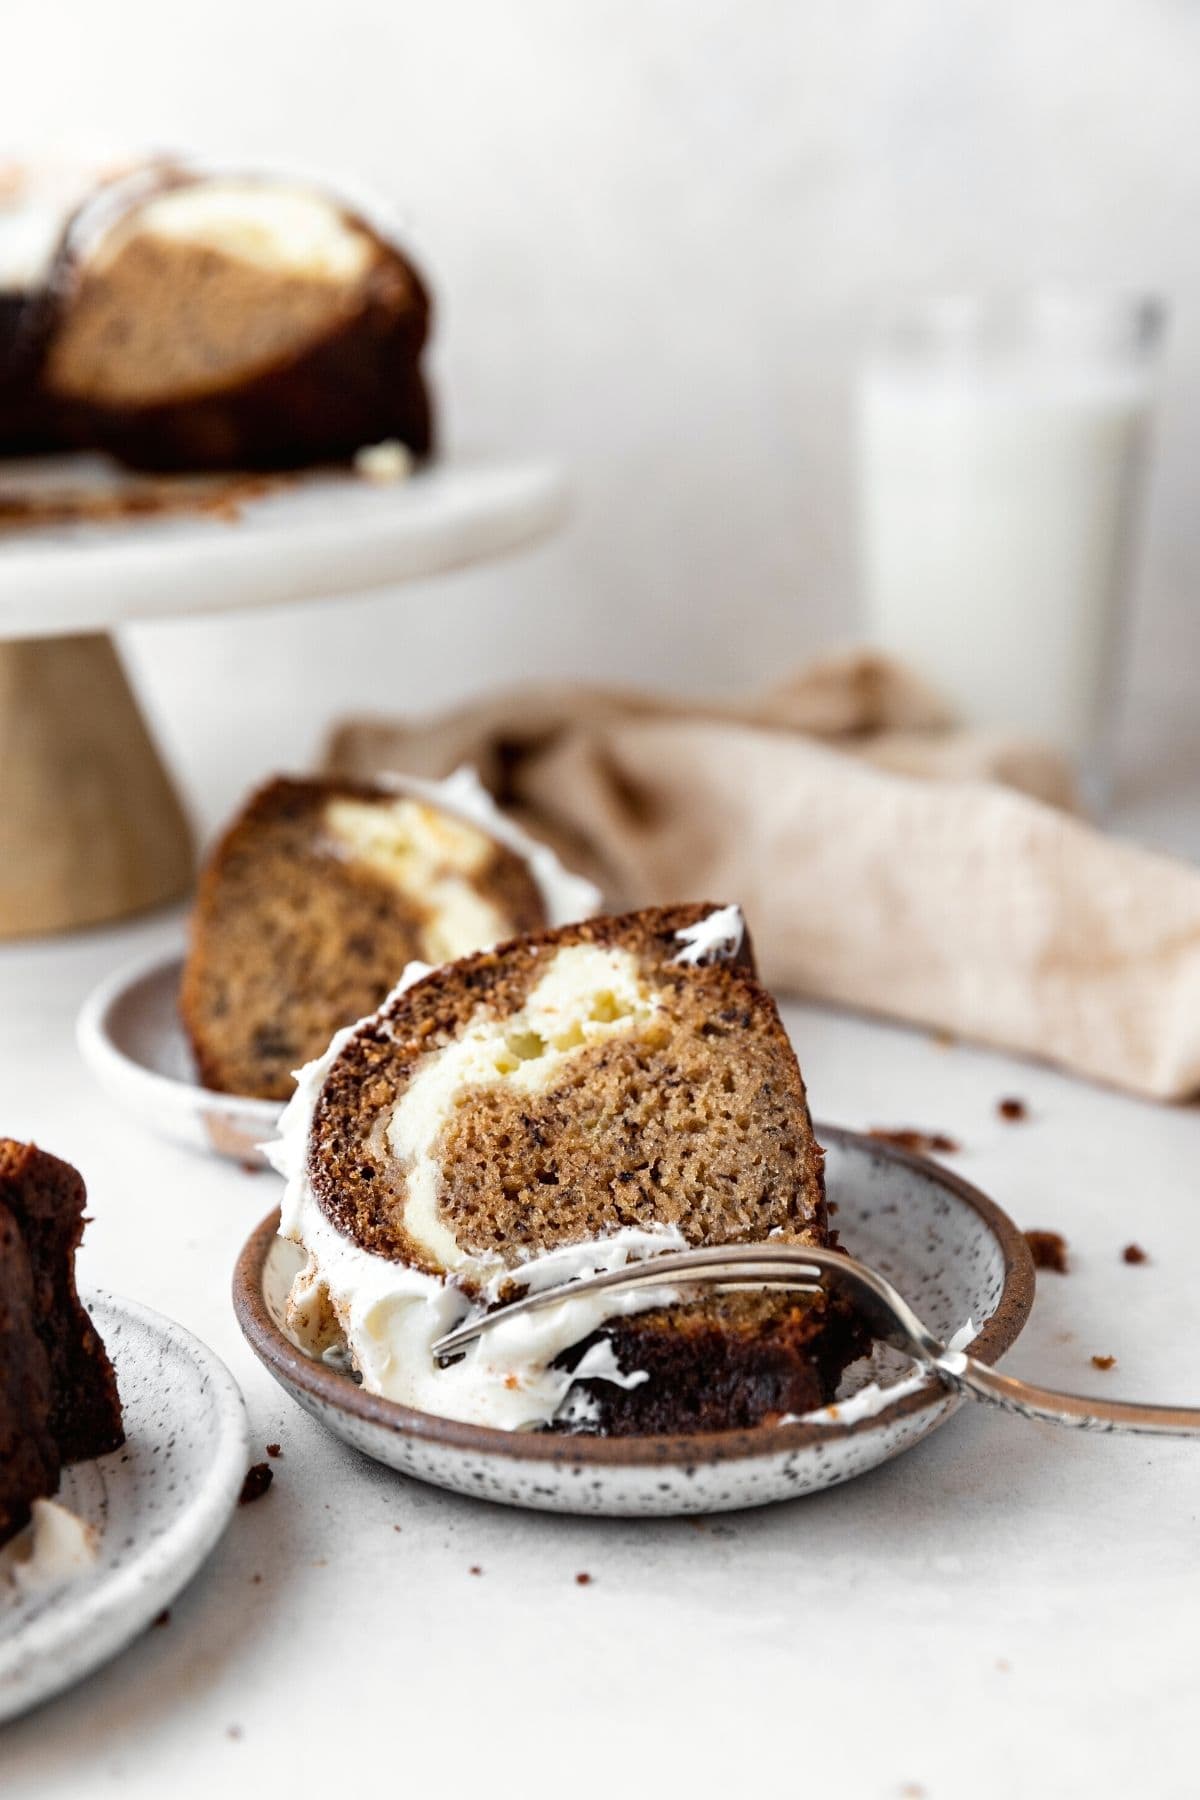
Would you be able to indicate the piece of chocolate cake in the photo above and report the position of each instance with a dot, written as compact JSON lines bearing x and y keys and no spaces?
{"x":567,"y":1102}
{"x":29,"y":1459}
{"x":58,"y":1394}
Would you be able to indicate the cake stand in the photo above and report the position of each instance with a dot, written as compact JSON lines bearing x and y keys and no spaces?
{"x":90,"y":825}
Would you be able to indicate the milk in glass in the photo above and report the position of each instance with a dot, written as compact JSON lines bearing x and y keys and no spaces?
{"x":999,"y":472}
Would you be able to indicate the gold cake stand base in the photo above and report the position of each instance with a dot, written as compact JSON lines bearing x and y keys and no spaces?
{"x":90,"y":825}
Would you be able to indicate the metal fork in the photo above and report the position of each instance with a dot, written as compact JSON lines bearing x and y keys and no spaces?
{"x":888,"y":1315}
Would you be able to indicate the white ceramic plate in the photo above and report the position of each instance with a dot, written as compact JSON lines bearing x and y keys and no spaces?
{"x":950,"y":1251}
{"x":131,"y":1038}
{"x":159,"y":1504}
{"x":328,"y":533}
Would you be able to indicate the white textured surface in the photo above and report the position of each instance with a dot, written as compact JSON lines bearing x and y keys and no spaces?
{"x":657,"y":228}
{"x":1027,"y":1574}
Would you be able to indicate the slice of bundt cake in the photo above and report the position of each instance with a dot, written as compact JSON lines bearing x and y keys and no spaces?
{"x":318,"y":896}
{"x":58,"y":1393}
{"x":558,"y":1105}
{"x":209,"y":320}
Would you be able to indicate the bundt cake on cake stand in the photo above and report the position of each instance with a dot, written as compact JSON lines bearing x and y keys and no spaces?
{"x":216,"y":377}
{"x":91,"y":827}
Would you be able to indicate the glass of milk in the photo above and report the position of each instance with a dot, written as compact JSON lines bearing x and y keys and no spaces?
{"x":1000,"y":452}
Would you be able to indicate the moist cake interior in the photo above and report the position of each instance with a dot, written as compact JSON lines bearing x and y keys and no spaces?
{"x":313,"y":904}
{"x":564,"y":1089}
{"x":209,"y":284}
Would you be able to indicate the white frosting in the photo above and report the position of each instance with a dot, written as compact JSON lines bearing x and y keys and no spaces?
{"x":288,"y":229}
{"x":107,"y":205}
{"x":29,"y":236}
{"x":391,"y":1315}
{"x":868,"y":1401}
{"x":717,"y":936}
{"x":56,"y":1547}
{"x":588,"y":993}
{"x":566,"y":897}
{"x":385,"y":462}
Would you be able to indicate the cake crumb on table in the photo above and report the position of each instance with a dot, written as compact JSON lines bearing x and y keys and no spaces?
{"x":1104,"y":1362}
{"x":1133,"y":1253}
{"x":918,"y":1143}
{"x":259,"y":1477}
{"x":1012,"y":1109}
{"x":583,"y":1579}
{"x":387,"y":461}
{"x":274,"y":1450}
{"x":474,"y":1569}
{"x":1049,"y":1250}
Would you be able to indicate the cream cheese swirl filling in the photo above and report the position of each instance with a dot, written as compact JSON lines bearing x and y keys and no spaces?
{"x":589,"y":993}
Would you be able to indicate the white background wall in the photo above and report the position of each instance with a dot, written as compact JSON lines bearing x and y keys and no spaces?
{"x":656,"y":228}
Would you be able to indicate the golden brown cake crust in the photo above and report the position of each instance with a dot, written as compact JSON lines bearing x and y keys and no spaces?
{"x":698,"y":1119}
{"x":292,"y":940}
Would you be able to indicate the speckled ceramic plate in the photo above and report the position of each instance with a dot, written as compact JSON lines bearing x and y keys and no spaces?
{"x":130,"y":1036}
{"x":948,"y":1248}
{"x":159,"y":1505}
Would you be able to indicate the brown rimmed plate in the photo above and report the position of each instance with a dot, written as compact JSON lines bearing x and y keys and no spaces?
{"x":949,"y":1249}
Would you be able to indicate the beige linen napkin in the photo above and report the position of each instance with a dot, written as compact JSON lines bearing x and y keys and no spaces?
{"x":885,"y":858}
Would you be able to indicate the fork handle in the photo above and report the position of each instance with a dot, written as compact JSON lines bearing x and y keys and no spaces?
{"x":1086,"y":1412}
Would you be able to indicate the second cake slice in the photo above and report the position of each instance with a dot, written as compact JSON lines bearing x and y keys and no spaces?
{"x":318,"y":895}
